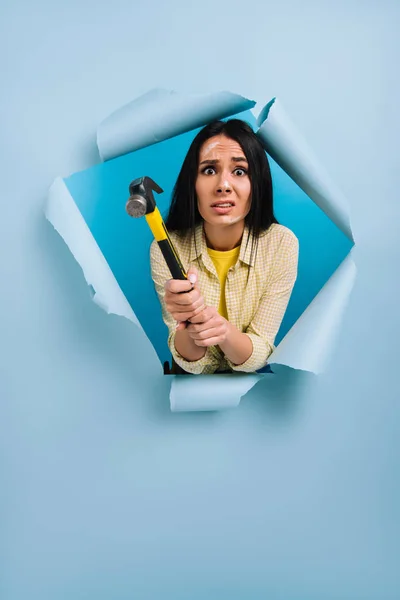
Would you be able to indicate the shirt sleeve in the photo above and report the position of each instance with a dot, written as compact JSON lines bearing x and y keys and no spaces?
{"x":272,"y":306}
{"x":160,"y":274}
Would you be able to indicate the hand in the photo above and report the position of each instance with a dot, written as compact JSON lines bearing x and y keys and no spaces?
{"x":208,"y":328}
{"x":183,"y":299}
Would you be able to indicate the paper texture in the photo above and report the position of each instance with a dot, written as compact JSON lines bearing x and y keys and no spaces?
{"x":81,"y":217}
{"x":210,"y":392}
{"x":160,"y":115}
{"x":288,"y":148}
{"x":66,"y":219}
{"x":309,"y":342}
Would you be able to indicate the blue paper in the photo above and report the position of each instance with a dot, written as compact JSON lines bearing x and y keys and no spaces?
{"x":101,"y":192}
{"x":88,"y":210}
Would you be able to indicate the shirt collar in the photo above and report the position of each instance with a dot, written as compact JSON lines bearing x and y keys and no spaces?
{"x":200,"y":246}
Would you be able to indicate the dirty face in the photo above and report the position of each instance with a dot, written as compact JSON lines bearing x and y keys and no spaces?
{"x":223,"y":186}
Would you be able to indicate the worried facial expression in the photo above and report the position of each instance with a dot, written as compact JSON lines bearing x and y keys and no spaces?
{"x":223,"y":186}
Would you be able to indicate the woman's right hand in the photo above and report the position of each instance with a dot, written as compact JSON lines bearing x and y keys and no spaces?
{"x":183,"y":299}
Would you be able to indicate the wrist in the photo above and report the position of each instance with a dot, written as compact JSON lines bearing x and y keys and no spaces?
{"x":230,"y":333}
{"x":237,"y":346}
{"x":186,"y":347}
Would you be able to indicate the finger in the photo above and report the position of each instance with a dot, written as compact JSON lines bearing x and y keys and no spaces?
{"x":204,"y":315}
{"x":198,"y":306}
{"x":177,"y":286}
{"x":193,"y":275}
{"x":214,"y":341}
{"x":180,"y":325}
{"x":206,"y":333}
{"x":183,"y":299}
{"x":196,"y":328}
{"x":179,"y":309}
{"x":181,"y":316}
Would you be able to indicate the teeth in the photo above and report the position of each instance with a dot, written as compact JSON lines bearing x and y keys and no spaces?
{"x":225,"y":205}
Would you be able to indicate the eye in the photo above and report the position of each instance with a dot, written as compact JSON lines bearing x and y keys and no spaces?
{"x":208,"y":171}
{"x":240,"y":171}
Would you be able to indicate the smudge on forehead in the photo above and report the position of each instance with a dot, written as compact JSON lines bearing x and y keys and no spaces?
{"x":208,"y":147}
{"x":213,"y":147}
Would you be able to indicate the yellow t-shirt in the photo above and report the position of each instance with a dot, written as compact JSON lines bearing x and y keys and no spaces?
{"x":223,"y":261}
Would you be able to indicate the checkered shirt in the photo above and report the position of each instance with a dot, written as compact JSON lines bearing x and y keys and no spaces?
{"x":257,"y":292}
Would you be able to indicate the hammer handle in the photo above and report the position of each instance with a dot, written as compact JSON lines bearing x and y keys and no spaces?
{"x":172,"y":259}
{"x":157,"y":226}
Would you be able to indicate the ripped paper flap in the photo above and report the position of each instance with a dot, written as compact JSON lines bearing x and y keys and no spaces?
{"x":88,"y":210}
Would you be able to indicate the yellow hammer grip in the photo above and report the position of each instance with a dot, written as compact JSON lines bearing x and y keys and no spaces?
{"x":156,"y":224}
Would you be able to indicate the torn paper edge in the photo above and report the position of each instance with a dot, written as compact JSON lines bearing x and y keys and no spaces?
{"x":62,"y":212}
{"x":161,"y":114}
{"x":289,"y":150}
{"x":211,"y":392}
{"x":310,"y":341}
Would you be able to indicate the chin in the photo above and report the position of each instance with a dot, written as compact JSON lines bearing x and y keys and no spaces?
{"x":226,"y":220}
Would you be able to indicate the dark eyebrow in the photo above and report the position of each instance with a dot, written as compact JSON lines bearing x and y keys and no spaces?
{"x":215,"y":161}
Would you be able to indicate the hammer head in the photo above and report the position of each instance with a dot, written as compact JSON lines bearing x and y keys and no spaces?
{"x":136,"y":206}
{"x":141,"y":200}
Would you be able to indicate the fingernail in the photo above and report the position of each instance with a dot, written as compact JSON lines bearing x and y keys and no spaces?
{"x":177,"y":324}
{"x":192,"y":278}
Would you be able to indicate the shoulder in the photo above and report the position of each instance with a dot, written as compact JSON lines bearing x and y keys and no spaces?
{"x":279,"y":254}
{"x":278,"y":237}
{"x":278,"y":250}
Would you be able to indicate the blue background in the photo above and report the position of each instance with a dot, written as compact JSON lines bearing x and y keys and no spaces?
{"x":101,"y":194}
{"x":295,"y":495}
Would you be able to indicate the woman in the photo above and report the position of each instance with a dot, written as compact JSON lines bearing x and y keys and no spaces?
{"x":241,"y":264}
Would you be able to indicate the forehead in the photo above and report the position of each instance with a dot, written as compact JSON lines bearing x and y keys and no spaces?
{"x":220,"y":145}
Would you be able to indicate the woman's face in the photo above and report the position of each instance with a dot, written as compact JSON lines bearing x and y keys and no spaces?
{"x":222,"y":186}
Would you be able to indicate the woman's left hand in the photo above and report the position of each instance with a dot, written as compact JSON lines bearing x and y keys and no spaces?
{"x":208,"y":328}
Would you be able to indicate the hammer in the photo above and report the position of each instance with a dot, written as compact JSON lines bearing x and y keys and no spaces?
{"x":141,"y":203}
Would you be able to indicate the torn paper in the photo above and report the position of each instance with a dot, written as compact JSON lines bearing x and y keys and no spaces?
{"x":289,"y":149}
{"x":160,"y":115}
{"x":210,"y":392}
{"x":67,"y":220}
{"x":88,"y":210}
{"x":308,"y":343}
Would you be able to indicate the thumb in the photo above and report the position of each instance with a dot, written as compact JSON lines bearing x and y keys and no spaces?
{"x":193,"y":275}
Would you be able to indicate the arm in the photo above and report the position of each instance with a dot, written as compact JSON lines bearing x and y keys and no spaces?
{"x":209,"y":328}
{"x":186,"y":347}
{"x":185,"y":352}
{"x":271,"y":309}
{"x":248,"y":351}
{"x":237,"y":346}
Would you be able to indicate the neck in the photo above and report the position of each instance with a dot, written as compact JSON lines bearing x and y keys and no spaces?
{"x":223,"y":238}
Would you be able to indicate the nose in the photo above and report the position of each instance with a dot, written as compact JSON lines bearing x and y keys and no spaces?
{"x":223,"y":187}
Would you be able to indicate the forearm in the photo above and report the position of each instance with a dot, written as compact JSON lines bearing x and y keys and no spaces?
{"x":186,"y":346}
{"x":237,"y":346}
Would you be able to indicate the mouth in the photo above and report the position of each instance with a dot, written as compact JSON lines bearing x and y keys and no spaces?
{"x":222,"y":207}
